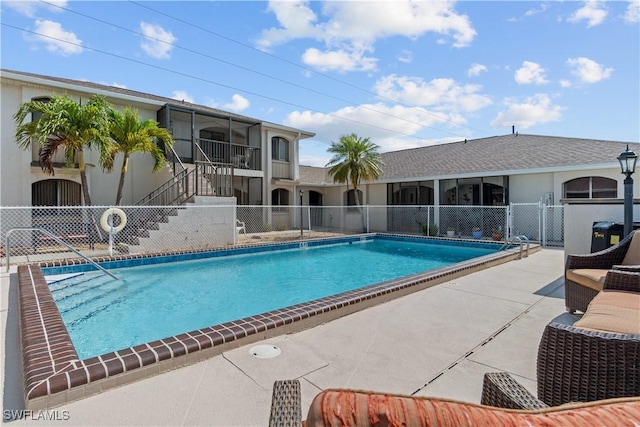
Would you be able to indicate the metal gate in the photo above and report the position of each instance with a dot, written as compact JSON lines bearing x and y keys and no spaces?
{"x":541,"y":223}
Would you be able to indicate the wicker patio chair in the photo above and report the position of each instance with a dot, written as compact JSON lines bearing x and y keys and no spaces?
{"x":584,"y":273}
{"x":578,"y":364}
{"x":337,"y":407}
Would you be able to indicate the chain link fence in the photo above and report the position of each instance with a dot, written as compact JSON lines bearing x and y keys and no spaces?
{"x":109,"y":230}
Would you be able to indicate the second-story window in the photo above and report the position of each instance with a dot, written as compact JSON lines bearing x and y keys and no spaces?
{"x":279,"y":149}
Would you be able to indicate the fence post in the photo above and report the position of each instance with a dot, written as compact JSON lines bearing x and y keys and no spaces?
{"x":540,"y":221}
{"x":367,"y":218}
{"x":543,"y":211}
{"x":309,"y":217}
{"x":509,"y":224}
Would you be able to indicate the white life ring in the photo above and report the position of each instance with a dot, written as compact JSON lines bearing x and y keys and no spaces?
{"x":104,"y":220}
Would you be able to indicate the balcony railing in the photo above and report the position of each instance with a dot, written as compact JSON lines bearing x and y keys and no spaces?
{"x":240,"y":156}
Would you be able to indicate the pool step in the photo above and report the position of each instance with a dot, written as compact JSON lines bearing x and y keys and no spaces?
{"x":76,"y":310}
{"x":80,"y":290}
{"x":68,"y":286}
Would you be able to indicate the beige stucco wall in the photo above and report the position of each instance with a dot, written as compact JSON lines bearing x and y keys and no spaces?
{"x":579,"y":219}
{"x":529,"y":188}
{"x":15,"y":181}
{"x":16,"y":176}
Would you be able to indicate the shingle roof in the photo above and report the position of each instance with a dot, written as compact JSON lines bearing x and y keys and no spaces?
{"x":500,"y":154}
{"x":128,"y":92}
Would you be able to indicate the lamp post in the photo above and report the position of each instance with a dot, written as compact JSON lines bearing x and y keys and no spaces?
{"x":301,"y":212}
{"x":627,"y":161}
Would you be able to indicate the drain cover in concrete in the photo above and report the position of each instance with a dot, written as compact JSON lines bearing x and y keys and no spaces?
{"x":265,"y":351}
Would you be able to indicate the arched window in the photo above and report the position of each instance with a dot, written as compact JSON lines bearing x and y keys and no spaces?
{"x":280,"y":197}
{"x":591,"y":187}
{"x":56,"y":192}
{"x":36,"y":116}
{"x":350,"y":197}
{"x":279,"y":149}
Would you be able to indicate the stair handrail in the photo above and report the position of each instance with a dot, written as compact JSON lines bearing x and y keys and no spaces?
{"x":176,"y":157}
{"x":58,"y":240}
{"x":202,"y":152}
{"x":174,"y":181}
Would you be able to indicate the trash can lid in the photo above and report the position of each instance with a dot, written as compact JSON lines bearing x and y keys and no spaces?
{"x":602,"y":224}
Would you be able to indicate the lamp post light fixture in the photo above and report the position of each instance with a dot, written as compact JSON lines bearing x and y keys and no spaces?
{"x":301,"y":212}
{"x":627,"y":161}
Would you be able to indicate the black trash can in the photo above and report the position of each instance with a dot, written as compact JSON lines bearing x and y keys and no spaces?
{"x":605,"y":234}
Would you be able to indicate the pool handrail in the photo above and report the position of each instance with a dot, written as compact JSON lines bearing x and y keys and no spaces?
{"x":58,"y":240}
{"x":517,"y":239}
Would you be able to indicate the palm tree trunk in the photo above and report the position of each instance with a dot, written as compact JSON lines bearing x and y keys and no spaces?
{"x":123,"y":172}
{"x":83,"y":178}
{"x":85,"y":193}
{"x":355,"y":195}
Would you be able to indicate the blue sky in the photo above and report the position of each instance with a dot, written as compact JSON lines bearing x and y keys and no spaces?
{"x":403,"y":73}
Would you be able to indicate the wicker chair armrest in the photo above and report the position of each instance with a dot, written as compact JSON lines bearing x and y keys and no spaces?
{"x":622,"y":280}
{"x":499,"y":389}
{"x":605,"y":258}
{"x":579,"y":365}
{"x":635,"y":268}
{"x":286,"y":409}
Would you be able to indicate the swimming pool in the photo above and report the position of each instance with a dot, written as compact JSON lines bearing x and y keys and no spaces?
{"x":190,"y":295}
{"x":54,"y":373}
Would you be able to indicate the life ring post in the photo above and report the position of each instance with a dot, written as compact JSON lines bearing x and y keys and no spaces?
{"x":107,"y":225}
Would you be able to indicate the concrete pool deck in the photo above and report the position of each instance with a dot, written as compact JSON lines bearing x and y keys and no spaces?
{"x":436,"y":342}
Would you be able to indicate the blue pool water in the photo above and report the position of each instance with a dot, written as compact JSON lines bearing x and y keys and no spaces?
{"x":158,"y":301}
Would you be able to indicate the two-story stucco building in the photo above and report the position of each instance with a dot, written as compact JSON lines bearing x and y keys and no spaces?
{"x":264,"y":169}
{"x":254,"y":157}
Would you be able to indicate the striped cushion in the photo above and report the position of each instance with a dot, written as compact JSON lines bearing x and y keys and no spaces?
{"x":361,"y":408}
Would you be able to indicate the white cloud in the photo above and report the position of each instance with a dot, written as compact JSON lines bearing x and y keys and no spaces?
{"x":632,"y":14}
{"x":318,"y":161}
{"x":157,"y":42}
{"x":391,"y":127}
{"x":532,"y":111}
{"x":238,"y":103}
{"x":530,"y":73}
{"x":405,"y":56}
{"x":351,"y":28}
{"x":476,"y":69}
{"x":588,"y":70}
{"x":181,"y":95}
{"x":441,"y":94}
{"x":338,"y":60}
{"x":29,"y":7}
{"x":532,"y":12}
{"x":593,"y":11}
{"x":565,"y":83}
{"x":114,"y":84}
{"x":55,"y":38}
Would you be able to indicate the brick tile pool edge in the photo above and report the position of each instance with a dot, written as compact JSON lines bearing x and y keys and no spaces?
{"x":54,"y":375}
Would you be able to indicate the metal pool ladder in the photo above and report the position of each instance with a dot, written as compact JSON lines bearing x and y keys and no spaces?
{"x":520,"y":240}
{"x":58,"y":240}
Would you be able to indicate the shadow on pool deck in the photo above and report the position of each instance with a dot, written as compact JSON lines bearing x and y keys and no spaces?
{"x":436,"y":342}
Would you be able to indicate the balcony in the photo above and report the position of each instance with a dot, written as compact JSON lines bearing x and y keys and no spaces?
{"x":240,"y":156}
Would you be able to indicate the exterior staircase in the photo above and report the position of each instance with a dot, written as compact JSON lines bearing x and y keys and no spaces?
{"x":189,"y":181}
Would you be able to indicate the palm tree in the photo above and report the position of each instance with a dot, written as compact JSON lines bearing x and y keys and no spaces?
{"x":355,"y":159}
{"x":65,"y":123}
{"x":131,"y":135}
